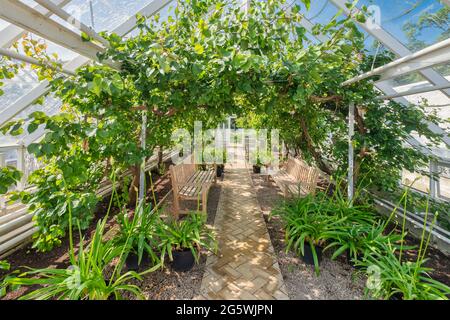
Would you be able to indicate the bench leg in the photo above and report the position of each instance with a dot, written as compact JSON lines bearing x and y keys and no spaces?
{"x":286,"y":191}
{"x":176,"y":205}
{"x":205,"y":202}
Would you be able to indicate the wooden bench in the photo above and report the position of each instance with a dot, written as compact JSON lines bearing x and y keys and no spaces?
{"x":189,"y":183}
{"x":296,"y":178}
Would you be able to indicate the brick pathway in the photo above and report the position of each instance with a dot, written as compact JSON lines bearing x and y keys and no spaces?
{"x":246,"y":266}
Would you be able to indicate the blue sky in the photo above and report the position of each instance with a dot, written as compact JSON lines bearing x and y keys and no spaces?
{"x":394,"y":14}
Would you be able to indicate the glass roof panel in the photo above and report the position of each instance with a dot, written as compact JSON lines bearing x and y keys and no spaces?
{"x":107,"y":14}
{"x":3,"y":24}
{"x":18,"y":86}
{"x":444,"y":70}
{"x":415,"y":23}
{"x":51,"y":106}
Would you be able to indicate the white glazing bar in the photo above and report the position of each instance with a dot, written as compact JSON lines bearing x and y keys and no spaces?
{"x":351,"y":131}
{"x":142,"y":187}
{"x":12,"y":33}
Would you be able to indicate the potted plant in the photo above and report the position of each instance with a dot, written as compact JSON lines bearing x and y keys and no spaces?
{"x":182,"y":240}
{"x":257,"y":166}
{"x":93,"y":274}
{"x":211,"y":155}
{"x":307,"y":228}
{"x":221,"y":166}
{"x":137,"y":232}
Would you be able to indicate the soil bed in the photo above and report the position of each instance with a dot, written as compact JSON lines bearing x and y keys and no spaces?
{"x":337,"y":279}
{"x":162,"y":284}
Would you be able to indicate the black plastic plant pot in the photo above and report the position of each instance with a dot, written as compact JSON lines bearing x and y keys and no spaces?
{"x":183,"y":260}
{"x":132,"y":260}
{"x":219,"y":171}
{"x":308,"y":257}
{"x":256,"y":169}
{"x":396,"y":296}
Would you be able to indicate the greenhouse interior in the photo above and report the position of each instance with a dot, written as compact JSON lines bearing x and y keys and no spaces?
{"x":224,"y":150}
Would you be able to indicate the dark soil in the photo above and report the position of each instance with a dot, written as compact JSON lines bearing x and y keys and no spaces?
{"x":167,"y":284}
{"x":163,"y":284}
{"x":337,"y":280}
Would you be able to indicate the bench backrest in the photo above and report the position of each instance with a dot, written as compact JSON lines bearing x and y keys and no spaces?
{"x":301,"y":171}
{"x":180,"y":174}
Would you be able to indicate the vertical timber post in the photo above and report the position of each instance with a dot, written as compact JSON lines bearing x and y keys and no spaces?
{"x":142,"y":170}
{"x":351,"y":131}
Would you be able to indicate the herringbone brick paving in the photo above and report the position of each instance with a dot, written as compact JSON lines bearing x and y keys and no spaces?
{"x":246,"y":266}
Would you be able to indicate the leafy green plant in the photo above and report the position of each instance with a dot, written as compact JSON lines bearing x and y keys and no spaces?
{"x":4,"y":286}
{"x":361,"y":240}
{"x":94,"y":273}
{"x":87,"y":277}
{"x":139,"y":233}
{"x":407,"y":279}
{"x":189,"y":233}
{"x":394,"y":276}
{"x":8,"y":176}
{"x":304,"y":222}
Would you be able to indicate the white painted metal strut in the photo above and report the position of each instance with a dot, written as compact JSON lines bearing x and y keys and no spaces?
{"x":30,"y":19}
{"x":49,"y":5}
{"x":433,"y":55}
{"x":393,"y":44}
{"x":351,"y":132}
{"x":27,"y":59}
{"x":414,"y":91}
{"x":12,"y":33}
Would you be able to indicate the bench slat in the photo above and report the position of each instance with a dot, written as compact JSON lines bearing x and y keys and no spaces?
{"x":296,"y":178}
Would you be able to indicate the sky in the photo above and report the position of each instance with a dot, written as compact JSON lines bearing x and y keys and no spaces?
{"x":393,"y":13}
